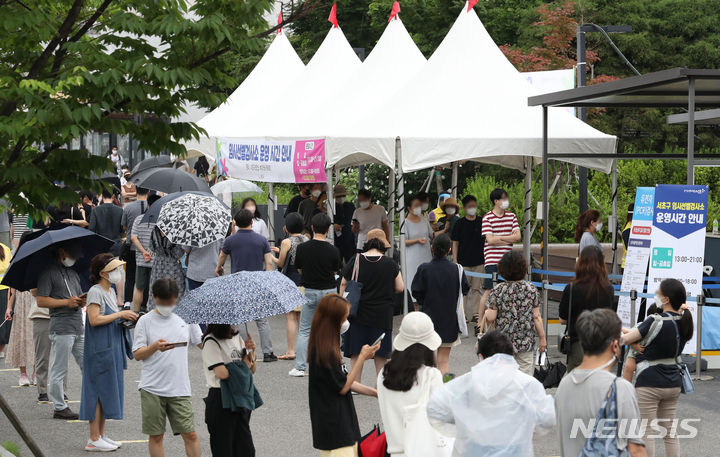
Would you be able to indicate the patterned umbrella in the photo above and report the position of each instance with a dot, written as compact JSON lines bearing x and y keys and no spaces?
{"x":239,"y":298}
{"x":194,"y":220}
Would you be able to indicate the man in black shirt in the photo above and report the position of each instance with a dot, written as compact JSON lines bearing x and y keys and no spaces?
{"x":318,"y":261}
{"x":468,"y":249}
{"x":296,"y":200}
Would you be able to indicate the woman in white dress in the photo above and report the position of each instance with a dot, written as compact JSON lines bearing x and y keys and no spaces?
{"x":259,"y":225}
{"x":418,"y":234}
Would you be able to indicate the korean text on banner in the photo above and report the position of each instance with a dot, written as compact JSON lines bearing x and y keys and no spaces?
{"x":678,"y":241}
{"x":277,"y":161}
{"x":638,"y":252}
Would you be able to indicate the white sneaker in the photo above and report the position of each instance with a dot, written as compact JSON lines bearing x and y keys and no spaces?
{"x":99,"y":446}
{"x":109,"y":441}
{"x":296,"y":373}
{"x":24,"y":380}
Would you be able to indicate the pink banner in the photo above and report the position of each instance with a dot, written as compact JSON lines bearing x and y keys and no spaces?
{"x":309,"y":162}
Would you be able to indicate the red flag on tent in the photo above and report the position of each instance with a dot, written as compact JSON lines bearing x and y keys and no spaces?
{"x":395,"y":11}
{"x":333,"y":16}
{"x":471,"y":3}
{"x":279,"y":22}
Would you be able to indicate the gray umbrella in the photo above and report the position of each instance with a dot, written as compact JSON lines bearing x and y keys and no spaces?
{"x":152,"y":162}
{"x":169,"y":180}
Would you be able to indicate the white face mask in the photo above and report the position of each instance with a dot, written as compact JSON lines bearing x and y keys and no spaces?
{"x":68,"y":262}
{"x":316,"y":193}
{"x":417,"y":211}
{"x":425,"y":206}
{"x":251,"y":209}
{"x":324,"y":204}
{"x":340,"y":200}
{"x":364,"y":205}
{"x":599,"y":227}
{"x":658,"y":301}
{"x":450,"y":211}
{"x":114,"y":153}
{"x":504,"y":204}
{"x":165,"y":310}
{"x":115,"y":276}
{"x":344,"y":327}
{"x":471,"y":211}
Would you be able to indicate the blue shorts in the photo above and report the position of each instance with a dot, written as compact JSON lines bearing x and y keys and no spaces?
{"x":490,"y":269}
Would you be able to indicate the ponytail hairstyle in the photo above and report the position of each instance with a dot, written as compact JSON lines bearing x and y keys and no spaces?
{"x":97,"y":264}
{"x":583,"y":222}
{"x":675,"y":293}
{"x":441,"y":246}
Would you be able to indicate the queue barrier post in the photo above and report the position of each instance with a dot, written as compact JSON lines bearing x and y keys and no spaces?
{"x":495,"y":279}
{"x":545,"y":305}
{"x":633,"y":314}
{"x":698,"y":338}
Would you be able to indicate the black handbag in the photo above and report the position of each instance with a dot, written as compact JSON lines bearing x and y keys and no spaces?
{"x":550,"y":374}
{"x":564,"y":337}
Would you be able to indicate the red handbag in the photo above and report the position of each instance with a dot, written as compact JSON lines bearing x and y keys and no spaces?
{"x":374,"y":444}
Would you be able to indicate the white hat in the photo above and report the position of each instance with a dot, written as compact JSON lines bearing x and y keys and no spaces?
{"x":417,"y":327}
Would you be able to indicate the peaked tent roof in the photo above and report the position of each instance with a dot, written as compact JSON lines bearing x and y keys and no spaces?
{"x":334,"y":61}
{"x":279,"y":65}
{"x":470,"y":103}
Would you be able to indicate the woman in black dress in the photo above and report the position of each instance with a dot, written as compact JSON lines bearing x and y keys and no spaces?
{"x":437,"y":287}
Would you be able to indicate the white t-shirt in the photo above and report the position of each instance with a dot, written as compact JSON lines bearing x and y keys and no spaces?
{"x":99,"y":296}
{"x":165,"y":374}
{"x":219,"y":352}
{"x":393,"y":403}
{"x":369,"y":219}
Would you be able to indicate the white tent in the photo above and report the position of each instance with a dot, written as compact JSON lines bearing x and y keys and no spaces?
{"x":470,"y":103}
{"x":278,"y":67}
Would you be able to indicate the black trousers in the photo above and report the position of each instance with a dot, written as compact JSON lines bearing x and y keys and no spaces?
{"x":130,"y":267}
{"x":347,"y":251}
{"x":229,"y":432}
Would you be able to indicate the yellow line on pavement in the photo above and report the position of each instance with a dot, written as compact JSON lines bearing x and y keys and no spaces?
{"x":134,"y":441}
{"x":10,"y":369}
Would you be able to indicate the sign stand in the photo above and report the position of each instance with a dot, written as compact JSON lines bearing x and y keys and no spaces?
{"x":698,"y":353}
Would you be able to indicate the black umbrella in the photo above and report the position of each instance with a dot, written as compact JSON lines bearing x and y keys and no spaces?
{"x":169,"y":180}
{"x":152,"y":213}
{"x":108,"y":177}
{"x":152,"y":162}
{"x":36,"y":254}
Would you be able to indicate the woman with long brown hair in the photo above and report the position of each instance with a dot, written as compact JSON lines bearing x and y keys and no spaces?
{"x":588,"y":225}
{"x":590,"y":289}
{"x":332,"y":411}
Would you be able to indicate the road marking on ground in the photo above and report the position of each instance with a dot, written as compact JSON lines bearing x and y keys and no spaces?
{"x":134,"y":441}
{"x":50,"y":403}
{"x":29,"y":385}
{"x":77,"y":420}
{"x":10,"y":369}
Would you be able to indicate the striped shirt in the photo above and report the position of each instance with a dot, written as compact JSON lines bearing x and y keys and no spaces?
{"x":143,"y":232}
{"x":498,"y":226}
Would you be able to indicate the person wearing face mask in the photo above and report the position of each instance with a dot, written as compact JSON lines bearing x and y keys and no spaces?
{"x":116,"y":158}
{"x":590,"y":289}
{"x":344,"y":236}
{"x":322,"y":204}
{"x":161,"y":342}
{"x":438,"y":213}
{"x":308,"y":206}
{"x":468,"y":248}
{"x":583,"y":392}
{"x":451,"y":209}
{"x":659,"y":379}
{"x":294,"y":204}
{"x":425,"y":202}
{"x":259,"y":226}
{"x":59,"y":289}
{"x":418,"y":236}
{"x":494,"y":409}
{"x":587,"y":229}
{"x":368,"y":217}
{"x":501,"y":229}
{"x":106,"y":353}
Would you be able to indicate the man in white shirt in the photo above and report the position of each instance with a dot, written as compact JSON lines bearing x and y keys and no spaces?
{"x":161,"y":342}
{"x":368,"y":217}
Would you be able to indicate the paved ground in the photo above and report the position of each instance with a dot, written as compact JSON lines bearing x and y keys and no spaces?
{"x":281,"y":427}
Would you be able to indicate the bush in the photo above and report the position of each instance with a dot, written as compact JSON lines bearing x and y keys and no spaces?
{"x":12,"y":447}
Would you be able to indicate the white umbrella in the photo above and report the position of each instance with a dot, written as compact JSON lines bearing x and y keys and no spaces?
{"x":224,"y":190}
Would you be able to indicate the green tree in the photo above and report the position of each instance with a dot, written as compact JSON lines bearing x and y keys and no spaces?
{"x":70,"y":67}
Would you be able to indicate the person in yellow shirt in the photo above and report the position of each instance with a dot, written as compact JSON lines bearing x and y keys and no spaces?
{"x":438,"y":213}
{"x":626,"y":232}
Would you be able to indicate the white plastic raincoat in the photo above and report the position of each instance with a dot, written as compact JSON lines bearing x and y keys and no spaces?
{"x":493,"y":410}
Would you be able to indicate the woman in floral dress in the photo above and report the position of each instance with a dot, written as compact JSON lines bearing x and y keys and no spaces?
{"x":21,"y":348}
{"x":166,"y":262}
{"x":514,"y":306}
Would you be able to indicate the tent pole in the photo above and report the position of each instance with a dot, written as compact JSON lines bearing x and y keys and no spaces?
{"x":271,"y":214}
{"x":691,"y":133}
{"x":401,"y":206}
{"x":454,"y":180}
{"x":391,"y":210}
{"x":545,"y":207}
{"x":527,"y":233}
{"x":331,"y":201}
{"x":429,"y":180}
{"x":614,"y":222}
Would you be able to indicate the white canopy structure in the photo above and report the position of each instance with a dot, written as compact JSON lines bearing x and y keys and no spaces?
{"x":278,"y":66}
{"x":470,"y":103}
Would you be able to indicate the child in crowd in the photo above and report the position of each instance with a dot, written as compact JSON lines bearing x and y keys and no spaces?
{"x":637,"y":348}
{"x":161,"y":342}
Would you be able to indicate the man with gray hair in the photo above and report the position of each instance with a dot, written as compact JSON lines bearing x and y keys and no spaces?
{"x":582,"y":392}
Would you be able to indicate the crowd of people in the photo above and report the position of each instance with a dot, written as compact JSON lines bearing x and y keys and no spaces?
{"x":493,"y":410}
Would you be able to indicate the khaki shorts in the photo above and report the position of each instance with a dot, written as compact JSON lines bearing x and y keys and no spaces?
{"x":156,"y":410}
